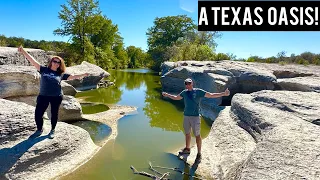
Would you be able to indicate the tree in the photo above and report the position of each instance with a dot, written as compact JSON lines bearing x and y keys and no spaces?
{"x":202,"y":38}
{"x":137,"y":57}
{"x":104,"y":57}
{"x":106,"y":35}
{"x":282,"y":55}
{"x":120,"y":53}
{"x":81,"y":19}
{"x":165,"y":32}
{"x":3,"y":41}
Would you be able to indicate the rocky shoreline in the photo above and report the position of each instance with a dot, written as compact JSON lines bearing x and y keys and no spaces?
{"x":270,"y":130}
{"x":41,"y":158}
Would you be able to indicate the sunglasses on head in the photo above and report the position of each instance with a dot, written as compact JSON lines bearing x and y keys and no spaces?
{"x":58,"y":62}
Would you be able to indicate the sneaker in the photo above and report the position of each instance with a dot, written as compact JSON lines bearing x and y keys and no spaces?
{"x":51,"y":134}
{"x":199,"y":157}
{"x":36,"y":134}
{"x":184,"y":151}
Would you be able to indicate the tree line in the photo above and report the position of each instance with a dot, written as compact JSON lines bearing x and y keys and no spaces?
{"x":304,"y":58}
{"x":96,"y":39}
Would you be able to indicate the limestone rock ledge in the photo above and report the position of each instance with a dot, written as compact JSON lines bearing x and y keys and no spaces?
{"x":39,"y":158}
{"x":264,"y":135}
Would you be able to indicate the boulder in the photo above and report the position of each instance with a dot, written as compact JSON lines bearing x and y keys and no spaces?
{"x":69,"y":110}
{"x":68,"y":89}
{"x":11,"y":56}
{"x":306,"y":84}
{"x":280,"y":71}
{"x":22,"y":157}
{"x":239,"y":77}
{"x":264,"y":135}
{"x":225,"y":148}
{"x":216,"y":77}
{"x":18,"y":81}
{"x":90,"y":82}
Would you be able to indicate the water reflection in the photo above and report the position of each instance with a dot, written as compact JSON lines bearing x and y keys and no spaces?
{"x":91,"y":108}
{"x":142,"y":88}
{"x":110,"y":95}
{"x":98,"y":131}
{"x":149,"y":135}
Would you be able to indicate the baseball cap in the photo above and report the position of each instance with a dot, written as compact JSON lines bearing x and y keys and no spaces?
{"x":188,"y":80}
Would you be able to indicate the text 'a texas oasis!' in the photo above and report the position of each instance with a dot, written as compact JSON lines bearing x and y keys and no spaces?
{"x":265,"y":15}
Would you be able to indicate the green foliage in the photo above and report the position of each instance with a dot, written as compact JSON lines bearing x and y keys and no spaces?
{"x":94,"y":37}
{"x":137,"y":57}
{"x":304,"y":58}
{"x":221,"y":56}
{"x":175,"y":38}
{"x":167,"y":30}
{"x":106,"y":35}
{"x":251,"y":59}
{"x":272,"y":60}
{"x":120,"y":54}
{"x":255,"y":59}
{"x":3,"y":40}
{"x":80,"y":20}
{"x":57,"y":46}
{"x":104,"y":57}
{"x":202,"y":38}
{"x":282,"y":63}
{"x":189,"y":51}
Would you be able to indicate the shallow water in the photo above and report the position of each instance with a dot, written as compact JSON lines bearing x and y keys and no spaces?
{"x":150,"y":135}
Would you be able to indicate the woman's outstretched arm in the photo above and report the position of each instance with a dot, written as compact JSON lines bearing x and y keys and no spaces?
{"x":31,"y":59}
{"x":71,"y":77}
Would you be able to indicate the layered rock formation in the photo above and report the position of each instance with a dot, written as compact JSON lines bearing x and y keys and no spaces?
{"x":239,"y":77}
{"x":90,"y":82}
{"x":40,"y":158}
{"x":22,"y":84}
{"x":264,"y":135}
{"x":270,"y":131}
{"x":11,"y":56}
{"x":22,"y":157}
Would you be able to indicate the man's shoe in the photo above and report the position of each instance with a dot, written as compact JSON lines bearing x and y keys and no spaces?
{"x":198,"y":158}
{"x":184,"y":151}
{"x":36,"y":134}
{"x":51,"y":134}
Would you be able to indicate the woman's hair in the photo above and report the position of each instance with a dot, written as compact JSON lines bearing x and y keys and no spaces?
{"x":62,"y":68}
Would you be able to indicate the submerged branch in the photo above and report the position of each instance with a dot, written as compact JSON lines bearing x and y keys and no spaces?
{"x":163,"y":177}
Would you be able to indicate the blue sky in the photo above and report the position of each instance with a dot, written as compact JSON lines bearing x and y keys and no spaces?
{"x":36,"y":20}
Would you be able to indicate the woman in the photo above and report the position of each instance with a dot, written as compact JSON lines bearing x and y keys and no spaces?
{"x":50,"y":89}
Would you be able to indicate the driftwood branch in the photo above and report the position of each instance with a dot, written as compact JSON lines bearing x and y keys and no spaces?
{"x":175,"y":169}
{"x":154,"y":169}
{"x":163,"y":177}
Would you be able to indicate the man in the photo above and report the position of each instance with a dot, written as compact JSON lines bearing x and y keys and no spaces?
{"x":191,"y":113}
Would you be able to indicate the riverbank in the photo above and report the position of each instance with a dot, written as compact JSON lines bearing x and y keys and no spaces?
{"x":22,"y":157}
{"x":271,"y":128}
{"x":110,"y":118}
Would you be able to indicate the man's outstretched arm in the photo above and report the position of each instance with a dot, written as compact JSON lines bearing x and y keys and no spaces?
{"x":217,"y":95}
{"x":178,"y":97}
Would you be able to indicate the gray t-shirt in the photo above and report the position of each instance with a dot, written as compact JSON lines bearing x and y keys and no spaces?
{"x":192,"y":100}
{"x":50,"y":83}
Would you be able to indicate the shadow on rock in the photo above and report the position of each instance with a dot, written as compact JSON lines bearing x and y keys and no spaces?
{"x":10,"y":156}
